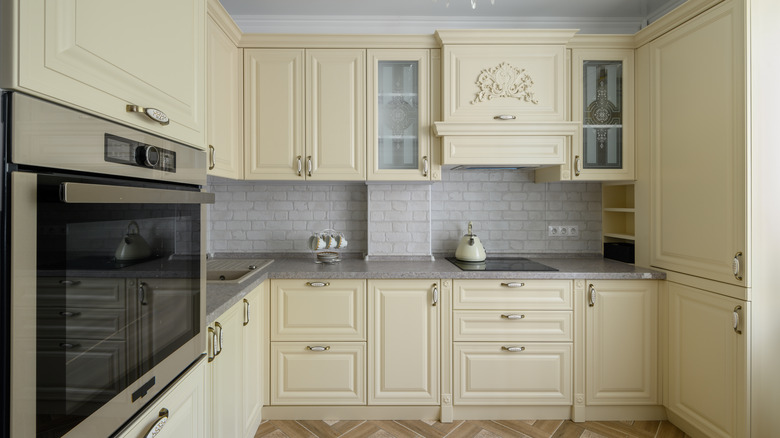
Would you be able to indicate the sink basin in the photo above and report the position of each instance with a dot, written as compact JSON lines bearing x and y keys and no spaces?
{"x":233,"y":270}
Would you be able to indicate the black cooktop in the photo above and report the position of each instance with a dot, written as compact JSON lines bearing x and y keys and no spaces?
{"x":501,"y":264}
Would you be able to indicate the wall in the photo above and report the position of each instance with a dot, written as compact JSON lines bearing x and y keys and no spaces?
{"x":510,"y":214}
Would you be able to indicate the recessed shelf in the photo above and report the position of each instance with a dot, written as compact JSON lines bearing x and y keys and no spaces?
{"x":620,"y":210}
{"x":620,"y":236}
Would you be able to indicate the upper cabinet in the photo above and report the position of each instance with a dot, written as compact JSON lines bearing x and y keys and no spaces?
{"x":140,"y":63}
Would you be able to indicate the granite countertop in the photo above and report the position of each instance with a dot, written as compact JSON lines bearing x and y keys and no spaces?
{"x":220,"y":297}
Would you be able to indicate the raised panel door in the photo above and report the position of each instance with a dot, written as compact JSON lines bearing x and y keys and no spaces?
{"x":255,"y":360}
{"x":403,"y":342}
{"x":622,"y":343}
{"x":226,"y":370}
{"x":154,"y":57}
{"x":698,"y":147}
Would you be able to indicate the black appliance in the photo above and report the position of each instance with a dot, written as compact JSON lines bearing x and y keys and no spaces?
{"x":508,"y":264}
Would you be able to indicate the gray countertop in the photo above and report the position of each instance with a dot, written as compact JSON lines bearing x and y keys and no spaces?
{"x":221,"y":296}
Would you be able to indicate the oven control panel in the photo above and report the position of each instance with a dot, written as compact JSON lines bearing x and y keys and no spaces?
{"x":134,"y":153}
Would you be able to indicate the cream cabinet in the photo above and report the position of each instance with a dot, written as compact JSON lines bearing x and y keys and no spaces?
{"x":182,"y":406}
{"x":708,"y":373}
{"x":305,"y":114}
{"x":154,"y":59}
{"x":224,"y":102}
{"x":621,"y":343}
{"x":403,"y":346}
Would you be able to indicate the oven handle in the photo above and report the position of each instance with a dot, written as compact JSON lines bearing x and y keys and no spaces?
{"x":80,"y":193}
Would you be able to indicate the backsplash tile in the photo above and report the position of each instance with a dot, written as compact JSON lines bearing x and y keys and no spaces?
{"x":399,"y":220}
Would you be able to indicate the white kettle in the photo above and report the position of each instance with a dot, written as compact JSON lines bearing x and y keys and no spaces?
{"x":470,"y":249}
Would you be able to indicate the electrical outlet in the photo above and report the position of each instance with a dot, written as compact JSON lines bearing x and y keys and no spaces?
{"x":563,"y":231}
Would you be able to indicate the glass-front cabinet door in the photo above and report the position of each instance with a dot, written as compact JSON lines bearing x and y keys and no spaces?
{"x":603,"y":90}
{"x":399,"y":115}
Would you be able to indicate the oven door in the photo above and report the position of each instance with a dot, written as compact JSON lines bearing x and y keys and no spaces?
{"x":107,"y":297}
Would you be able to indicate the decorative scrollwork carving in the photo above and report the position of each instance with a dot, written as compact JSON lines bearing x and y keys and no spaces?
{"x":504,"y":80}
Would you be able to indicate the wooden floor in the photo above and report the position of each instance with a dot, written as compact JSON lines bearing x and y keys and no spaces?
{"x":468,"y":429}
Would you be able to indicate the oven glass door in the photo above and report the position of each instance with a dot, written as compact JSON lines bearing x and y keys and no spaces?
{"x":118,"y":289}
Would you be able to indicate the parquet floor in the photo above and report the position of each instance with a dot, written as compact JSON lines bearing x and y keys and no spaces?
{"x":468,"y":429}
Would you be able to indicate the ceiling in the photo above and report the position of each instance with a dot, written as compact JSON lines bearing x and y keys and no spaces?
{"x":425,"y":16}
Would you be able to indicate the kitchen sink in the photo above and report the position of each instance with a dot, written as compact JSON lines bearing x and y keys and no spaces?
{"x":233,"y":270}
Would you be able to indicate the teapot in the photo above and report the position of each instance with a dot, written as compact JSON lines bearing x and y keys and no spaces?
{"x":470,"y":249}
{"x":133,"y":246}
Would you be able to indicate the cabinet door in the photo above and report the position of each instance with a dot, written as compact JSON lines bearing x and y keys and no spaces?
{"x":225,"y":114}
{"x":255,"y":359}
{"x":274,"y":114}
{"x":698,"y":147}
{"x":226,"y":370}
{"x":399,"y":115}
{"x":622,"y":343}
{"x":335,"y":114}
{"x":708,"y":372}
{"x":103,"y":56}
{"x":404,"y":342}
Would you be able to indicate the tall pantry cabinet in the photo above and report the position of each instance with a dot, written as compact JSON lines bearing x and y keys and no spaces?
{"x":707,"y":208}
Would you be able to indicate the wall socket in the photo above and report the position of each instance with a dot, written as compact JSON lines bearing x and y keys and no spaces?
{"x":563,"y":231}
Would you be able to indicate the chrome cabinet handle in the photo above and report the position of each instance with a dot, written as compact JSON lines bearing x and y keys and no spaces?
{"x":737,"y":266}
{"x":68,"y":346}
{"x":67,"y":314}
{"x":246,"y":312}
{"x":577,"y":165}
{"x":142,"y":293}
{"x":67,"y":283}
{"x":318,"y":348}
{"x":512,"y":316}
{"x":317,"y":284}
{"x":513,"y":349}
{"x":212,"y":157}
{"x":213,"y":351}
{"x":219,"y":326}
{"x":591,"y":295}
{"x":736,"y":320}
{"x":158,"y":425}
{"x":153,"y":113}
{"x":308,"y":165}
{"x":425,"y":166}
{"x":504,"y":117}
{"x":513,"y":284}
{"x":435,"y":294}
{"x":300,"y":165}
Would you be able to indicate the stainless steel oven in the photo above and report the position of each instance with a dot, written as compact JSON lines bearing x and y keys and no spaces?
{"x":103,"y":255}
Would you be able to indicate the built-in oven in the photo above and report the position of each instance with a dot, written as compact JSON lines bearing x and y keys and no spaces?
{"x":103,"y":254}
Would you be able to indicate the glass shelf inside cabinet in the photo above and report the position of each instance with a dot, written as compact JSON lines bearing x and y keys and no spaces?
{"x":398,"y":115}
{"x":602,"y":119}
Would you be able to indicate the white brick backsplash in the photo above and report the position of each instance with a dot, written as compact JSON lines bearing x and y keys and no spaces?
{"x":399,"y":220}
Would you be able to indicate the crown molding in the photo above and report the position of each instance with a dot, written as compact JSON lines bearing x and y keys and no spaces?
{"x":336,"y":41}
{"x":220,"y":16}
{"x":502,"y":36}
{"x":677,"y":16}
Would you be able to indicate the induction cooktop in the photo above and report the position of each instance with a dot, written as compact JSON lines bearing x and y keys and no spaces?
{"x":501,"y":264}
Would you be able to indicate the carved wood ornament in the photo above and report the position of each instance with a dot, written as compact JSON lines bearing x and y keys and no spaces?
{"x":504,"y":80}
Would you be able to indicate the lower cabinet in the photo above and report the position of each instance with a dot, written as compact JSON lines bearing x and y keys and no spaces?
{"x":182,"y":406}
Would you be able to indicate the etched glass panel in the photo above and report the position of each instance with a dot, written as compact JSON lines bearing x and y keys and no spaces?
{"x":602,"y":120}
{"x":397,"y":118}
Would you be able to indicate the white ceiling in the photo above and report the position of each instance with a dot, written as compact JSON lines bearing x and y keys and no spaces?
{"x":425,"y":16}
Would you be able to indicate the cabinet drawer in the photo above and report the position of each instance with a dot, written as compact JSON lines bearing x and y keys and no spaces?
{"x":486,"y":374}
{"x":515,"y":326}
{"x":82,"y":292}
{"x":83,"y":323}
{"x":512,"y":294}
{"x":301,"y":375}
{"x":318,"y":310}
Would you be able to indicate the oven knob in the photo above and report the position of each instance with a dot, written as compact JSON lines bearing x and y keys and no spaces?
{"x":151,"y":156}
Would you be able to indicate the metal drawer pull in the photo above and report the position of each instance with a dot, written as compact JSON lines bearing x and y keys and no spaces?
{"x":213,"y":351}
{"x":158,"y":425}
{"x":435,"y":294}
{"x":317,"y":283}
{"x":318,"y":348}
{"x":591,"y":295}
{"x":69,"y":314}
{"x":153,"y":113}
{"x":513,"y":284}
{"x":68,"y":346}
{"x":512,"y":316}
{"x":736,"y":265}
{"x":300,"y":165}
{"x":309,"y":166}
{"x":513,"y":349}
{"x":212,"y":157}
{"x":736,"y":320}
{"x":70,"y":282}
{"x":425,"y":166}
{"x":504,"y":117}
{"x":142,"y":293}
{"x":219,"y":326}
{"x":246,"y":312}
{"x":577,"y":165}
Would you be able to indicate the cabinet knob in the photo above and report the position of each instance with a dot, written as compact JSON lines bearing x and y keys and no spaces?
{"x":300,"y":165}
{"x":246,"y":312}
{"x":435,"y":294}
{"x":425,"y":166}
{"x":317,"y":284}
{"x":577,"y":165}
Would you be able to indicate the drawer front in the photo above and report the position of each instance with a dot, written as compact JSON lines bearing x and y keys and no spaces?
{"x":301,"y":375}
{"x":485,"y":374}
{"x":514,"y":326}
{"x":82,"y":292}
{"x":512,"y":294}
{"x":318,"y":310}
{"x":83,"y":323}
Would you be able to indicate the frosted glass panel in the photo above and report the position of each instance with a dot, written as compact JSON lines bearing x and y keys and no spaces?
{"x":398,"y":115}
{"x":602,"y":120}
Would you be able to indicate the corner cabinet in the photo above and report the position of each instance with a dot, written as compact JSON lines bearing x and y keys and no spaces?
{"x":62,"y":53}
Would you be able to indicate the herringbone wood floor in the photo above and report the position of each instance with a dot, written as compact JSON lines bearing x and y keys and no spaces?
{"x":468,"y":429}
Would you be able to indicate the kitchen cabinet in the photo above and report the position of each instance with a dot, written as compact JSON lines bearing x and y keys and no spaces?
{"x":618,"y":216}
{"x":403,"y":346}
{"x":305,"y":114}
{"x":61,"y":53}
{"x":182,"y":405}
{"x":621,"y":341}
{"x":708,"y":375}
{"x":224,"y":100}
{"x":235,"y":367}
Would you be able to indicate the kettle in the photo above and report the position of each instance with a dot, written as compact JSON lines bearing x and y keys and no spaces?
{"x":470,"y":249}
{"x":133,"y":246}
